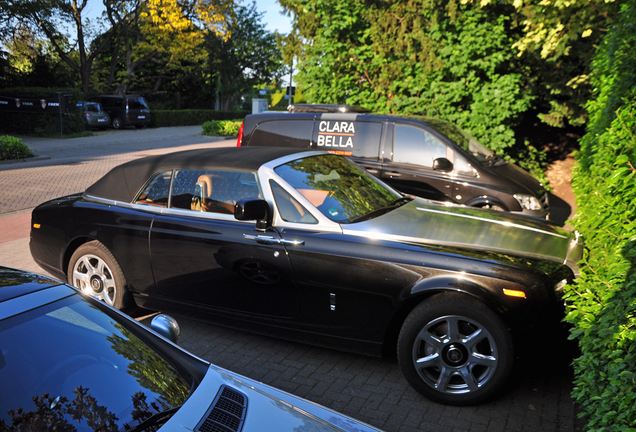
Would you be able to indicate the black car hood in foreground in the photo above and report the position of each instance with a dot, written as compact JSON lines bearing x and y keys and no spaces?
{"x":429,"y":222}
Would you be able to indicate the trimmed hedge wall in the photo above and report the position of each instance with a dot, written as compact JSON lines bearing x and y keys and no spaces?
{"x":165,"y":118}
{"x":603,"y":301}
{"x":222,"y":127}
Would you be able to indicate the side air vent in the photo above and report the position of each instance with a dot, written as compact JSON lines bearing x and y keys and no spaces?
{"x":227,"y":412}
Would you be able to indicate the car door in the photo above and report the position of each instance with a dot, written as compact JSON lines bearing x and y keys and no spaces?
{"x":204,"y":257}
{"x":410,"y":169}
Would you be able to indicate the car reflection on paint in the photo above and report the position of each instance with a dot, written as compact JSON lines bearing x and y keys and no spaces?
{"x":69,"y":362}
{"x":307,"y":246}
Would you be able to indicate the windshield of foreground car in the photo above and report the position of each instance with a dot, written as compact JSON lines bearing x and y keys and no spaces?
{"x":67,"y":364}
{"x":340,"y":190}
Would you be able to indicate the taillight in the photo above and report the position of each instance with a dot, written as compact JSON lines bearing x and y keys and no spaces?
{"x":239,"y":140}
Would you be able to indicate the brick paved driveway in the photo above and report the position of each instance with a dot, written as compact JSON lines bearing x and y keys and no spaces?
{"x":369,"y":389}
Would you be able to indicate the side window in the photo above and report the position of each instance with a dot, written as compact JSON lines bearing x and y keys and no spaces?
{"x":156,"y":191}
{"x":283,"y":133}
{"x":117,"y":102}
{"x":416,"y":146}
{"x":289,"y":208}
{"x":348,"y":138}
{"x":212,"y":191}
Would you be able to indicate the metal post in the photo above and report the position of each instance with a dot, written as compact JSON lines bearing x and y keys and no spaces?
{"x":59,"y":100}
{"x":291,"y":72}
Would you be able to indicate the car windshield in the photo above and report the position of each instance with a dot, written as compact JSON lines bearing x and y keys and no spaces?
{"x":68,"y":364}
{"x":340,"y":190}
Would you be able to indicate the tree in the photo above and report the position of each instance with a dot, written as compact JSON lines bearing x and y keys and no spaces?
{"x":49,"y":19}
{"x":161,"y":40}
{"x":439,"y":58}
{"x":248,"y":58}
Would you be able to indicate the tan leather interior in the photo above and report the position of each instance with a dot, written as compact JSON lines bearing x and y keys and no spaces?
{"x":209,"y":205}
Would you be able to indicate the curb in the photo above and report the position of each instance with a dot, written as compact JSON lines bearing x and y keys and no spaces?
{"x":31,"y":159}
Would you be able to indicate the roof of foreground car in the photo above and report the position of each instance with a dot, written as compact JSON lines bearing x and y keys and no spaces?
{"x":123,"y":182}
{"x":15,"y":283}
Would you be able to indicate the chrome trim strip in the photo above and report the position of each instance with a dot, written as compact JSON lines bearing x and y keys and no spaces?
{"x":504,"y":223}
{"x":168,"y":211}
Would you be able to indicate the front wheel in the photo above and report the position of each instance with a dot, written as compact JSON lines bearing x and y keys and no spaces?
{"x":95,"y":271}
{"x":117,"y":124}
{"x":455,"y":350}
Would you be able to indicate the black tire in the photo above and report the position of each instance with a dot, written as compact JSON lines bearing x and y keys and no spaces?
{"x":465,"y":365}
{"x":495,"y":207}
{"x":95,"y":271}
{"x":117,"y":124}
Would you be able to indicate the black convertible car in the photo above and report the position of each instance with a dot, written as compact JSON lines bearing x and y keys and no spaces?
{"x":306,"y":245}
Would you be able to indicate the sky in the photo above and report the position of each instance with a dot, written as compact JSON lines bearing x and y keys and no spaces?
{"x":273,"y":18}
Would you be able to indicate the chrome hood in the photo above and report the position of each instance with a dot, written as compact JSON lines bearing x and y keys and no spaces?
{"x":266,"y":408}
{"x":430,"y":222}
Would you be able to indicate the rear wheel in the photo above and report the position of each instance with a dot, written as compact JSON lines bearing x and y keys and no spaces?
{"x":455,"y":350}
{"x":117,"y":124}
{"x":95,"y":271}
{"x":492,"y":207}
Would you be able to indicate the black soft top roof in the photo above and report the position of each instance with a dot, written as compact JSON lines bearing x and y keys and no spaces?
{"x":123,"y":182}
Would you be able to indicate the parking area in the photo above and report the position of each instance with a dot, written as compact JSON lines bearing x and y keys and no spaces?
{"x":369,"y":389}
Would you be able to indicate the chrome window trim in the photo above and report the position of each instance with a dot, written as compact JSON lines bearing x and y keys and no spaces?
{"x":266,"y":173}
{"x":167,"y":211}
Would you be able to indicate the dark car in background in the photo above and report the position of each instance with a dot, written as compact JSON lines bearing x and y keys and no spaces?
{"x":69,"y":362}
{"x":308,"y":246}
{"x":425,"y":157}
{"x":128,"y":110}
{"x":94,"y":116}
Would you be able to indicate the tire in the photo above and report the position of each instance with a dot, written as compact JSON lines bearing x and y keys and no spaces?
{"x":492,"y":207}
{"x":455,"y":350}
{"x":140,"y":126}
{"x":117,"y":124}
{"x":95,"y":271}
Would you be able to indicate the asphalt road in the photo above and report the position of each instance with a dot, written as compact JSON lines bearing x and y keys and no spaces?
{"x":369,"y":389}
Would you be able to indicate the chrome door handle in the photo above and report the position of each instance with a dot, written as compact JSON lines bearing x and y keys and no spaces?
{"x":373,"y":171}
{"x":393,"y":174}
{"x":272,"y":240}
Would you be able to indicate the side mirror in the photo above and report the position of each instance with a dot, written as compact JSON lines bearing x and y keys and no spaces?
{"x":442,"y":164}
{"x":253,"y":209}
{"x":166,"y":326}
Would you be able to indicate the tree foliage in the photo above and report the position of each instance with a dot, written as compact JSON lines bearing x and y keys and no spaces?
{"x":603,"y":301}
{"x":438,"y":58}
{"x":249,"y":57}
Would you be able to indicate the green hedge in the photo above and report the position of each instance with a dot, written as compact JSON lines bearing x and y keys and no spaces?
{"x":164,"y":118}
{"x":13,"y":148}
{"x":222,"y":127}
{"x":603,"y":301}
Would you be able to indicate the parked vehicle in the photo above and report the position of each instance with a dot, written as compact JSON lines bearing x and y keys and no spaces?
{"x":94,"y":116}
{"x":125,"y":110}
{"x":308,"y":246}
{"x":422,"y":156}
{"x":69,"y":362}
